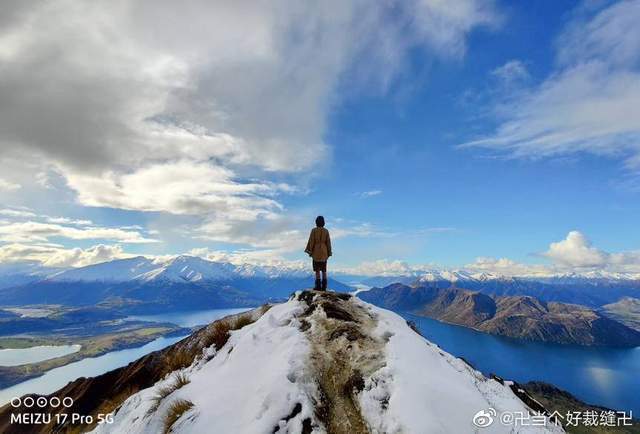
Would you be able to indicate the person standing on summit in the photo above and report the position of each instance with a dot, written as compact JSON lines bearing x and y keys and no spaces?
{"x":319,"y":248}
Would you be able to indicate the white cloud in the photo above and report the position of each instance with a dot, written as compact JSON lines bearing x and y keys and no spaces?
{"x":506,"y":267}
{"x":576,"y":251}
{"x":573,"y":254}
{"x":279,"y":233}
{"x":380,"y":267}
{"x":30,"y":231}
{"x":56,"y":256}
{"x":68,"y":221}
{"x":589,"y":103}
{"x":370,"y":193}
{"x":511,"y":72}
{"x":20,"y":213}
{"x":9,"y":212}
{"x":182,"y":103}
{"x":181,"y":187}
{"x":8,"y":186}
{"x":194,"y":84}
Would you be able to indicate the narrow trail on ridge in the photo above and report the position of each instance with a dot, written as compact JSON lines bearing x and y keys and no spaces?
{"x":344,"y":351}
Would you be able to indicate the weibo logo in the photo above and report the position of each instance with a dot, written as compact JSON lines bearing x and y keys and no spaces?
{"x":484,"y":418}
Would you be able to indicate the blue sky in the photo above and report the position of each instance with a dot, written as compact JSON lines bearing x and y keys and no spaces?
{"x":427,"y":135}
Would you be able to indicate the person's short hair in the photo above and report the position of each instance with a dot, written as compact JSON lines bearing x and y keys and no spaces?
{"x":320,"y":221}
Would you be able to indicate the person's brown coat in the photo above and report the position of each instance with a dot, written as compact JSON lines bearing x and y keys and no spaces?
{"x":319,"y":245}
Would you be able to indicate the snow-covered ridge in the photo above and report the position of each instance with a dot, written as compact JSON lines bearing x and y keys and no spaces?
{"x":323,"y":362}
{"x":193,"y":269}
{"x":175,"y":269}
{"x":471,"y":276}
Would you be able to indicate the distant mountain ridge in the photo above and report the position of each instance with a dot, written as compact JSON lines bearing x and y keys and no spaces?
{"x":141,"y":284}
{"x":131,"y":278}
{"x":523,"y":317}
{"x":177,"y":269}
{"x":593,"y":289}
{"x":462,"y":275}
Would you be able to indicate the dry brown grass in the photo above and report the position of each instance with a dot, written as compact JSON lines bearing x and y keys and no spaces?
{"x":178,"y":359}
{"x":180,"y":379}
{"x":177,"y":409}
{"x":219,"y":332}
{"x":265,"y":308}
{"x":241,"y":321}
{"x":218,"y":335}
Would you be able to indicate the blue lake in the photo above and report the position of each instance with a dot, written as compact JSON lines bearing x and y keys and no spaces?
{"x":189,"y":318}
{"x":22,"y":356}
{"x":602,"y":376}
{"x":90,"y":367}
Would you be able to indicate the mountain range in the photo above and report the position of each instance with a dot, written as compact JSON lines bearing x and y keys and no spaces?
{"x":523,"y":317}
{"x":592,"y":289}
{"x":141,"y":284}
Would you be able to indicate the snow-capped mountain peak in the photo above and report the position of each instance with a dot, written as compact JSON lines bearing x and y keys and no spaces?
{"x":446,"y":275}
{"x":119,"y":270}
{"x":183,"y":268}
{"x":190,"y":269}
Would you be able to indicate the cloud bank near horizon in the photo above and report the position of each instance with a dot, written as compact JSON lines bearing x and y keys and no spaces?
{"x":573,"y":254}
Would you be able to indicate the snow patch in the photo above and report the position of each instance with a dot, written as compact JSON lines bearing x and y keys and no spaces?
{"x":250,"y":385}
{"x":423,"y":389}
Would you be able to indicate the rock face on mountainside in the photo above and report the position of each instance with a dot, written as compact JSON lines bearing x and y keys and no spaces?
{"x":592,"y":289}
{"x":521,"y":317}
{"x":319,"y":363}
{"x":626,"y":310}
{"x":562,"y":402}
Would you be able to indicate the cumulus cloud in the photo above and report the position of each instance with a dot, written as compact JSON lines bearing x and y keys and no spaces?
{"x":143,"y":107}
{"x":506,"y":267}
{"x":196,"y":83}
{"x":57,"y":256}
{"x":573,"y":254}
{"x":576,"y":251}
{"x":181,"y":187}
{"x":589,"y":102}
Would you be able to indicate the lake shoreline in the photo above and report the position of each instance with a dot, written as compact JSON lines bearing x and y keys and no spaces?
{"x":603,"y":375}
{"x":179,"y":324}
{"x":10,"y":357}
{"x":13,"y":375}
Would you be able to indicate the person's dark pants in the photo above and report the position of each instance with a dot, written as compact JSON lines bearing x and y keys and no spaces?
{"x":320,"y":267}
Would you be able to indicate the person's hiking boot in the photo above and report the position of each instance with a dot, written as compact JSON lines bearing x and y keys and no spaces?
{"x":317,"y":287}
{"x":324,"y":284}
